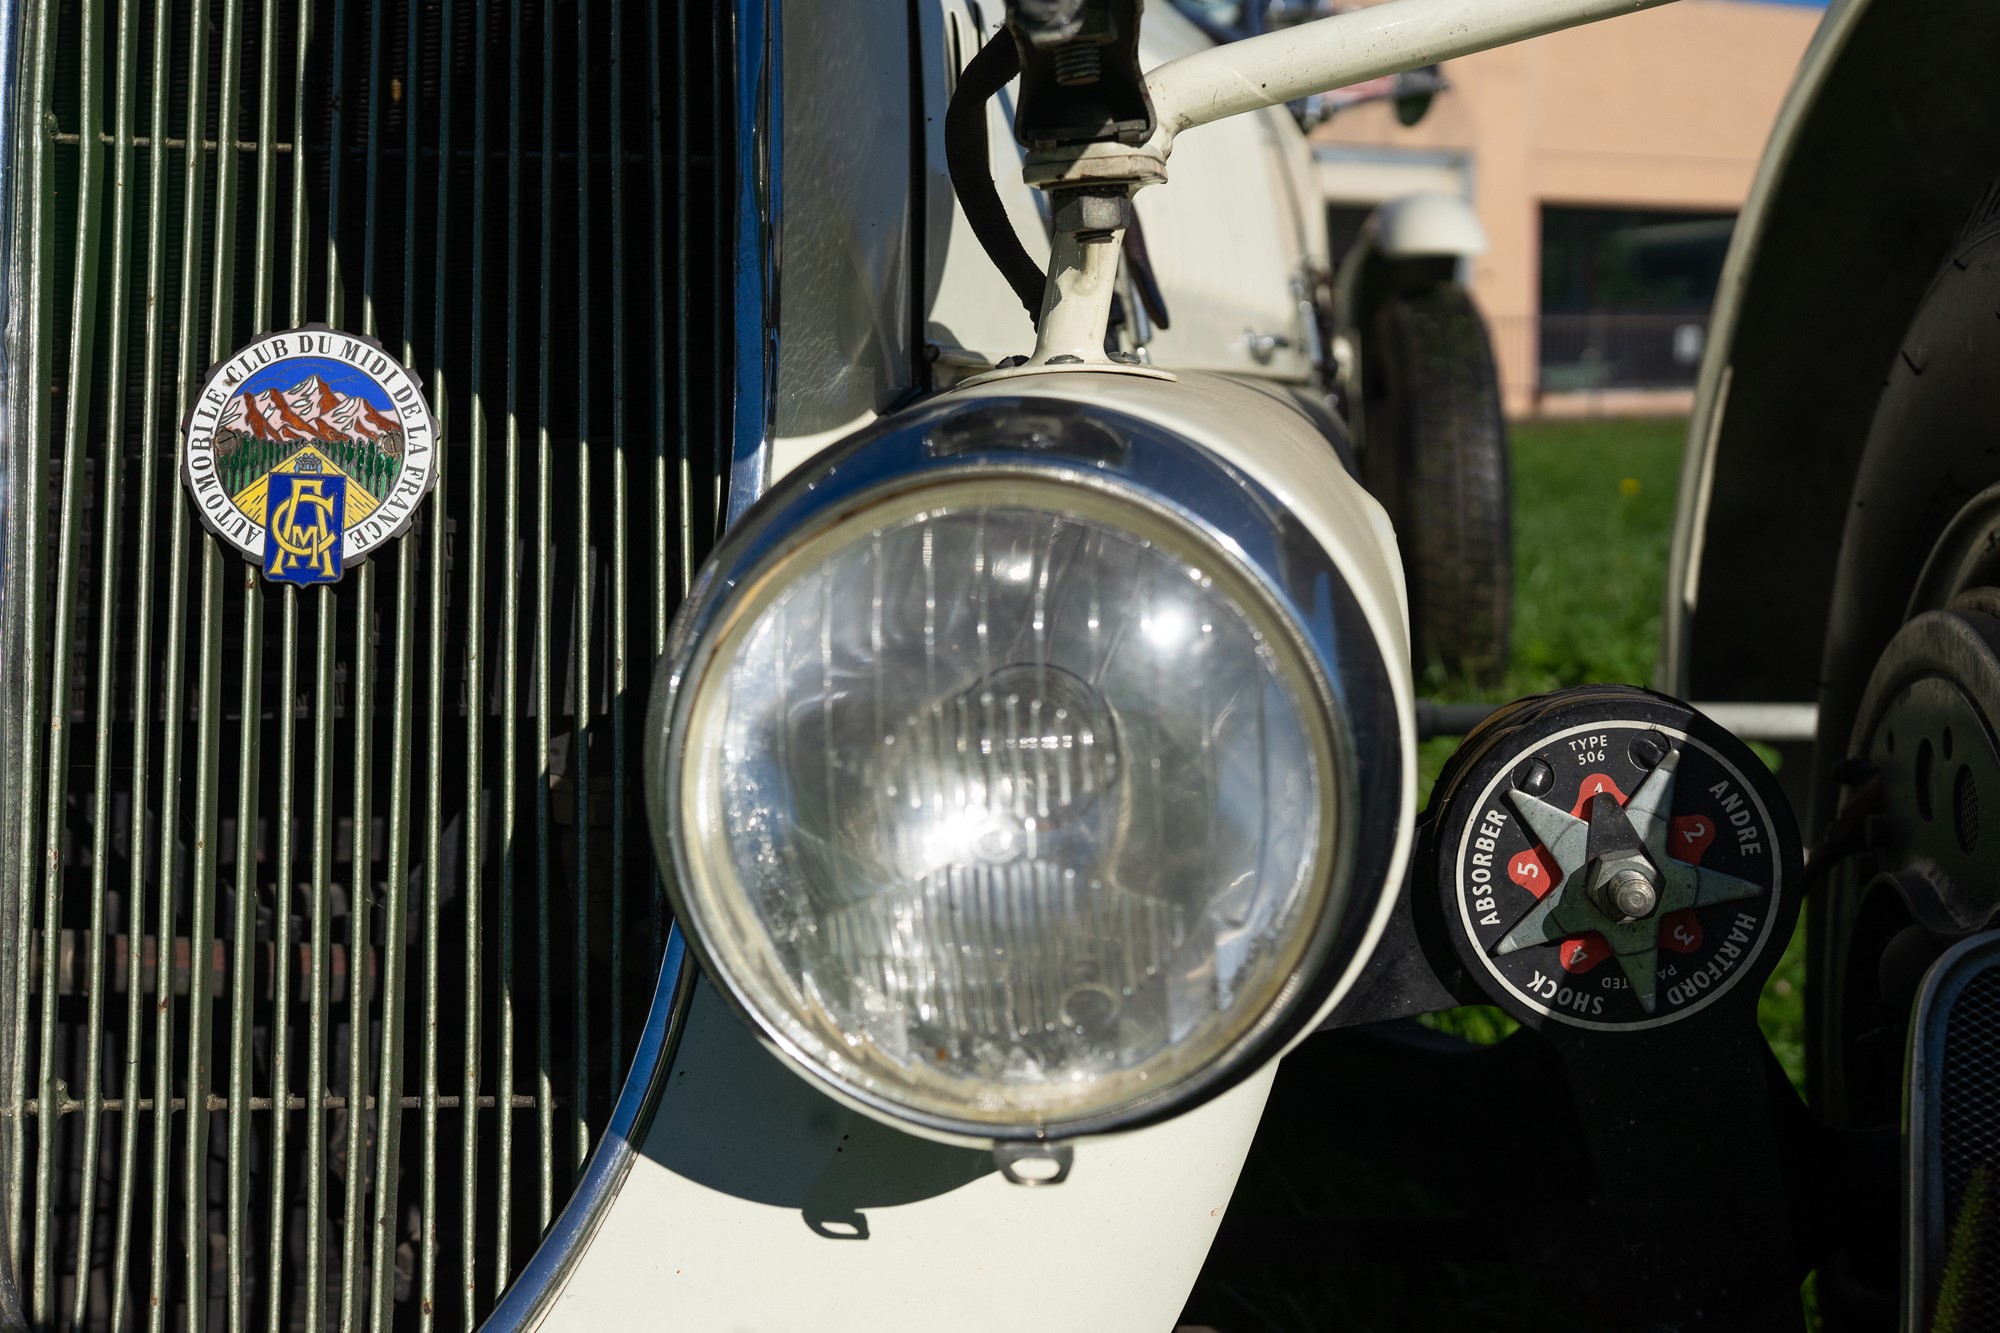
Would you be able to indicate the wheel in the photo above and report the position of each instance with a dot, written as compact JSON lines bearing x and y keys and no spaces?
{"x":1910,"y":709}
{"x":1435,"y":454}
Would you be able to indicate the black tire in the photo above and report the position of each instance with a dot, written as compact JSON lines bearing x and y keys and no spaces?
{"x":1435,"y":454}
{"x":1933,"y":444}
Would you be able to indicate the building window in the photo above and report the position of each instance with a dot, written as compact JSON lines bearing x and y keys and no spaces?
{"x":1625,"y":296}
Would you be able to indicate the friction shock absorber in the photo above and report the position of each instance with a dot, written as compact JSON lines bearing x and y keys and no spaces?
{"x":1608,"y":859}
{"x":1621,"y":874}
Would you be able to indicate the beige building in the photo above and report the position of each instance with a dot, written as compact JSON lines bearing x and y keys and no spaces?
{"x":1606,"y":163}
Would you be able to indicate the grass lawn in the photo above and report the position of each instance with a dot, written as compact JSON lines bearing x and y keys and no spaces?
{"x":1593,"y":514}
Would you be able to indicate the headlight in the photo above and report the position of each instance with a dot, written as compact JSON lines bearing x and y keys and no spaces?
{"x":1002,"y":795}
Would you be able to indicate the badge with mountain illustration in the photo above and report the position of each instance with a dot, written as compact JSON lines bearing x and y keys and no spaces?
{"x":308,"y":449}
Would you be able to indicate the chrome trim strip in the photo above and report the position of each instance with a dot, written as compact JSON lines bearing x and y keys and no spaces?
{"x":756,"y":26}
{"x":759,"y":165}
{"x":1926,"y":1238}
{"x":534,"y":1291}
{"x":1151,"y":467}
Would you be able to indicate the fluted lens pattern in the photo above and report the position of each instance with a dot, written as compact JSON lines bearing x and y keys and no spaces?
{"x":1023,"y":811}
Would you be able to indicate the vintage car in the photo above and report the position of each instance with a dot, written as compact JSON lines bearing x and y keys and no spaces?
{"x":866,"y":752}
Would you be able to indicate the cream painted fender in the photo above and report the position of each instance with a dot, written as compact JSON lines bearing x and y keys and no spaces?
{"x":758,"y":1204}
{"x":1429,"y":224}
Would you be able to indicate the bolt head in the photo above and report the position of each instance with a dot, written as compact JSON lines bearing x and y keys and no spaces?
{"x":1534,"y":778}
{"x":1633,"y":894}
{"x":1092,"y":209}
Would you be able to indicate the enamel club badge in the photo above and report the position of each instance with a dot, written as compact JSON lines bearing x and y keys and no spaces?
{"x":308,"y":449}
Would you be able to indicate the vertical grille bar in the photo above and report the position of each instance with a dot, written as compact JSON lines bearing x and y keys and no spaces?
{"x":208,"y":721}
{"x":434,"y":715}
{"x":83,"y":307}
{"x":713,"y":507}
{"x":320,"y":1023}
{"x":545,"y":1109}
{"x":319,"y":1019}
{"x":201,"y":933}
{"x":33,"y":425}
{"x":619,"y":589}
{"x":663,"y":589}
{"x":354,"y":1111}
{"x":361,"y":667}
{"x":579,"y":760}
{"x":288,"y":688}
{"x":684,"y":186}
{"x":475,"y":689}
{"x":683,"y":481}
{"x":286,"y":853}
{"x":281,"y":941}
{"x":510,"y":659}
{"x":242,"y":952}
{"x":107,"y":666}
{"x":143,"y":701}
{"x":388,"y":1097}
{"x":361,"y":672}
{"x":173,"y":692}
{"x":243,"y":932}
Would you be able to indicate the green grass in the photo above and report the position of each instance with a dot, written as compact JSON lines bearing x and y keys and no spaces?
{"x":1593,"y":516}
{"x":1593,"y":512}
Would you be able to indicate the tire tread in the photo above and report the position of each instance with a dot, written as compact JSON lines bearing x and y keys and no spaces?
{"x":1453,"y":499}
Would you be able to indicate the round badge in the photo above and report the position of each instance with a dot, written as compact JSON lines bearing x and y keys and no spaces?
{"x":308,"y":449}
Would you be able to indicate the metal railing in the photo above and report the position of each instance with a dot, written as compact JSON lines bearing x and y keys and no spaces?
{"x":427,"y":768}
{"x":1595,"y":352}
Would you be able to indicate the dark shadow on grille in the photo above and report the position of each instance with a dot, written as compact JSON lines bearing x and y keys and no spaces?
{"x":624,"y":284}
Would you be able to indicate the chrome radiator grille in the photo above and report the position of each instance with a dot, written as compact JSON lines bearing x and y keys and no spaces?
{"x":333,"y":917}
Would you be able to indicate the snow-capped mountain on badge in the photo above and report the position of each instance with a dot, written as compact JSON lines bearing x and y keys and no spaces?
{"x":309,"y":410}
{"x":261,"y":431}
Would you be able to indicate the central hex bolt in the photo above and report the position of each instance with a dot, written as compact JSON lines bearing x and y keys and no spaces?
{"x":1632,"y":893}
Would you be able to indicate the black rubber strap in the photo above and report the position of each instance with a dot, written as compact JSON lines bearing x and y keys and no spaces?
{"x":1143,"y":280}
{"x":965,"y":155}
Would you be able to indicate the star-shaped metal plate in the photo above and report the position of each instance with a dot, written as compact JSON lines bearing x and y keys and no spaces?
{"x":1567,"y":910}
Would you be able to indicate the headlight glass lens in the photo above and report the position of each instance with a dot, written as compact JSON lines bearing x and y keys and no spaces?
{"x":1008,"y":813}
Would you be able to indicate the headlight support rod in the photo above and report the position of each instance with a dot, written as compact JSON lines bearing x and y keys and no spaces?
{"x":1243,"y":76}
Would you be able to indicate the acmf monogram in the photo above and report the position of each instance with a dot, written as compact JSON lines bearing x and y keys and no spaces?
{"x":310,"y":542}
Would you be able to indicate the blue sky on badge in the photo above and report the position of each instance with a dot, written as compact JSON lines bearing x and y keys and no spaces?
{"x":338,"y":376}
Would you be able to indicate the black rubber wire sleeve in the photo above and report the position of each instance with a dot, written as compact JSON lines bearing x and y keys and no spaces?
{"x":965,"y":155}
{"x":1140,"y":265}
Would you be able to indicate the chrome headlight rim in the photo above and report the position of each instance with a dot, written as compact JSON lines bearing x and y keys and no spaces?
{"x":1122,"y":463}
{"x":722,"y":914}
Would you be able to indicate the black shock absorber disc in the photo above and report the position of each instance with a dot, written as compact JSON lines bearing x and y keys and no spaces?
{"x":1609,"y":859}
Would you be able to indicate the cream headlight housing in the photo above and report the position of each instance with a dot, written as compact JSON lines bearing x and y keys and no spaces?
{"x":1008,"y":790}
